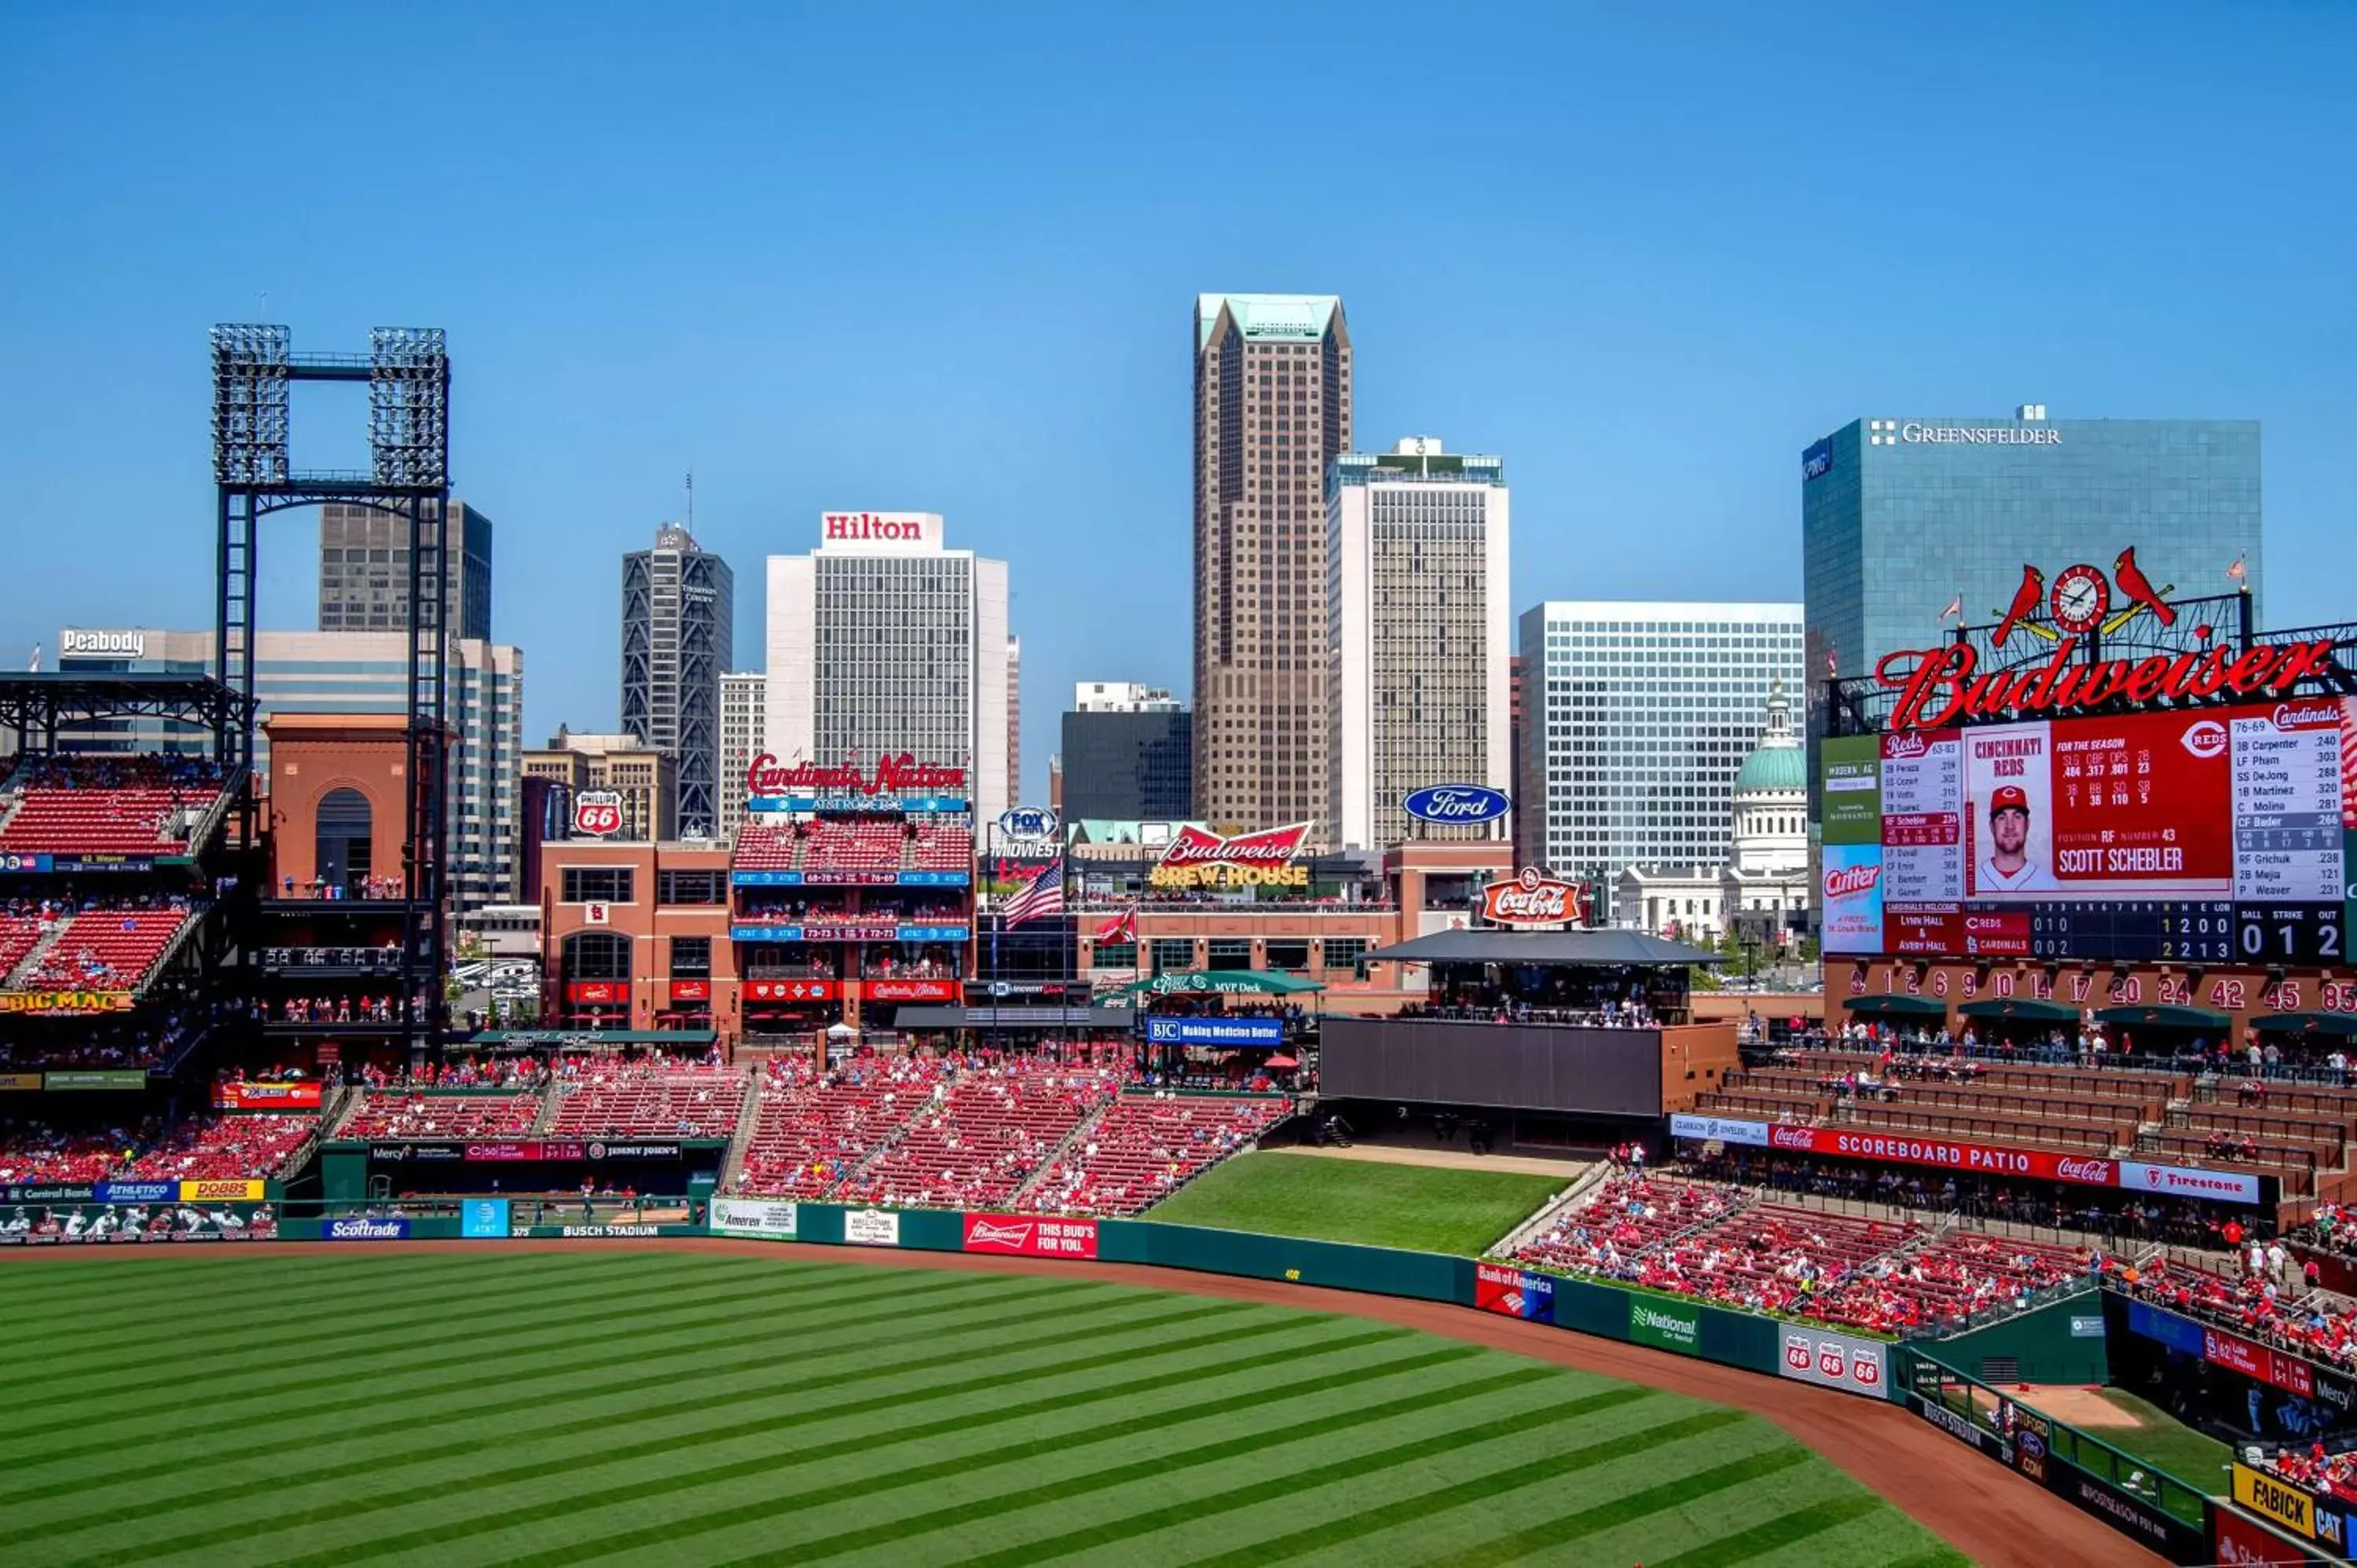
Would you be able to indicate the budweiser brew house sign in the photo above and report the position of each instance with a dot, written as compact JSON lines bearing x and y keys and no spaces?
{"x":1939,"y":687}
{"x":1198,"y":858}
{"x":1534,"y":899}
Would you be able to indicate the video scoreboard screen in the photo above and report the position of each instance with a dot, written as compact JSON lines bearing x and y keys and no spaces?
{"x":2225,"y":835}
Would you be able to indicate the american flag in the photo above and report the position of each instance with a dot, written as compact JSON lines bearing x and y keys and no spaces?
{"x":1043,"y":894}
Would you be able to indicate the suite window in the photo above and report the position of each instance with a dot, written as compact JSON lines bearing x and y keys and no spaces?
{"x":691,"y":958}
{"x":598,"y":884}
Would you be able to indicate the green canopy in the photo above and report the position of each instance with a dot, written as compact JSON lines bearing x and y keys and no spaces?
{"x":2307,"y":1023}
{"x":2164,"y":1017}
{"x":1220,"y":981}
{"x":1897,"y":1007}
{"x":2027,"y":1008}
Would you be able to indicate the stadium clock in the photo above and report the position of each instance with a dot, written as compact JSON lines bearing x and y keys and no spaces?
{"x":2081,"y":595}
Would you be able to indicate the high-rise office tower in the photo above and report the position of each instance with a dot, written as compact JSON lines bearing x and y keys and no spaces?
{"x":1418,"y":637}
{"x":884,"y":642}
{"x":1127,"y":753}
{"x":364,"y":570}
{"x":743,"y":718}
{"x":679,"y":611}
{"x":1636,"y":718}
{"x":1015,"y":720}
{"x":1272,"y":408}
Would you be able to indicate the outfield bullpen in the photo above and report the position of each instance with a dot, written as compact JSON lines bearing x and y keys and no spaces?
{"x":509,"y":1406}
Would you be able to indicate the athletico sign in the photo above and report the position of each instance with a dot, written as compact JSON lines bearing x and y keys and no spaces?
{"x":1029,"y":1238}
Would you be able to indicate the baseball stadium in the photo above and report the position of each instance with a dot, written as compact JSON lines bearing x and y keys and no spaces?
{"x":835,"y":1209}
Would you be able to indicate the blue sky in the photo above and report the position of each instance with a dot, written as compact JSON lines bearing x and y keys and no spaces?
{"x":944,"y":258}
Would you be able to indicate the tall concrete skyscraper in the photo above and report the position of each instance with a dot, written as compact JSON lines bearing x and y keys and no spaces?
{"x":1272,"y":409}
{"x":1419,"y":634}
{"x":744,"y":712}
{"x":364,"y":570}
{"x":679,"y":614}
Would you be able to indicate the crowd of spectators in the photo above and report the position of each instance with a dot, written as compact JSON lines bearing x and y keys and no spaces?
{"x":1726,"y":1243}
{"x":364,"y":887}
{"x":984,"y":1135}
{"x":1146,"y":1146}
{"x":2093,"y":1044}
{"x":223,"y":1148}
{"x":367,"y":1009}
{"x":396,"y":1115}
{"x":80,"y":771}
{"x":2332,"y":1228}
{"x":2265,"y":1294}
{"x":34,"y":1152}
{"x":149,"y":1039}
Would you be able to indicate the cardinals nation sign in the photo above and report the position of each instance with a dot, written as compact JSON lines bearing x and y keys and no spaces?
{"x":1939,"y":687}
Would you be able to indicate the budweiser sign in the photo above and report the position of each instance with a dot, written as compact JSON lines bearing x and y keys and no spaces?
{"x":1532,"y":899}
{"x":901,"y":775}
{"x":1200,"y":858}
{"x":1939,"y":687}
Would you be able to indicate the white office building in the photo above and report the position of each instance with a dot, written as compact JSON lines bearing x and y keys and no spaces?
{"x":884,"y":642}
{"x":1122,"y":697}
{"x":346,"y":672}
{"x":743,"y":717}
{"x":1637,"y":718}
{"x":1418,"y":637}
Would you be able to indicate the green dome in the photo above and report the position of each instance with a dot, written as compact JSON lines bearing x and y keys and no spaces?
{"x":1773,"y":767}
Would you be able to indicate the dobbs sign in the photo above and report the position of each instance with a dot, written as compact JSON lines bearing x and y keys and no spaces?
{"x":1198,"y":858}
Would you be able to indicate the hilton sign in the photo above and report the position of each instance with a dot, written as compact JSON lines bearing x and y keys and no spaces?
{"x":896,"y":530}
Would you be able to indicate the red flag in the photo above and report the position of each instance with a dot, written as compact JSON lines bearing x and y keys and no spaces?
{"x":2235,"y":571}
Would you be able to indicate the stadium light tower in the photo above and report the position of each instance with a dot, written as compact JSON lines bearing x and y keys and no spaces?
{"x":407,"y":369}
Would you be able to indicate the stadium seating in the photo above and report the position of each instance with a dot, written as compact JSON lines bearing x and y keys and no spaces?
{"x":766,"y":846}
{"x":854,"y":844}
{"x":1146,"y":1146}
{"x":398,"y":1115}
{"x":223,"y":1148}
{"x":670,"y":1102}
{"x":1725,"y":1244}
{"x":131,"y":820}
{"x":811,"y":1130}
{"x":36,"y":1152}
{"x":107,"y":950}
{"x":942,"y":846}
{"x":19,"y":935}
{"x":978,"y":1145}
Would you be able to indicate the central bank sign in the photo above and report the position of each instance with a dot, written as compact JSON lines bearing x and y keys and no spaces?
{"x":1915,"y":433}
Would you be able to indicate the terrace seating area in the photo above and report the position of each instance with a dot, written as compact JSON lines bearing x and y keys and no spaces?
{"x":812,"y":1129}
{"x":766,"y":846}
{"x":397,"y":1115}
{"x":2312,"y":1324}
{"x":854,"y":844}
{"x":1728,"y":1244}
{"x":223,"y":1148}
{"x":36,"y":1153}
{"x":1146,"y":1146}
{"x":634,"y":1100}
{"x":107,"y":950}
{"x":148,"y":819}
{"x":19,"y":935}
{"x":942,"y":846}
{"x":979,"y":1143}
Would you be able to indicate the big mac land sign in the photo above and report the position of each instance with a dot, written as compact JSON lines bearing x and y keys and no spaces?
{"x":1198,"y":858}
{"x":1943,"y":686}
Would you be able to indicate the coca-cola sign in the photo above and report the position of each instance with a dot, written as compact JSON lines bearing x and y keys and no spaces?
{"x":901,"y":775}
{"x":1534,"y":899}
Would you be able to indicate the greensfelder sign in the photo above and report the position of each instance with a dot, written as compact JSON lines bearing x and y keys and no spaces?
{"x":1665,"y":1325}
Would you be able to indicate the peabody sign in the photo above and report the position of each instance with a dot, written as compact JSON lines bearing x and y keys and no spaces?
{"x":1532,"y":899}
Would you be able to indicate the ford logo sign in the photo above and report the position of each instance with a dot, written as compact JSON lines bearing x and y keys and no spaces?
{"x":1457,"y":803}
{"x":1028,"y":822}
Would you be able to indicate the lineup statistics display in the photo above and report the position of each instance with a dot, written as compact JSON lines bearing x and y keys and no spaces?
{"x":2224,"y":835}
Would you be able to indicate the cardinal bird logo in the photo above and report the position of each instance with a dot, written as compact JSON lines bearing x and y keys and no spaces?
{"x":2137,"y":589}
{"x":2026,"y":600}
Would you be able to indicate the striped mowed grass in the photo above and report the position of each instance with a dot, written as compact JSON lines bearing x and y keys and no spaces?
{"x":513,"y":1408}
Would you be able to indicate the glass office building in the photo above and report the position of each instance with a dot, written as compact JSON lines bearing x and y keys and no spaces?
{"x":1637,"y":717}
{"x":1898,"y":516}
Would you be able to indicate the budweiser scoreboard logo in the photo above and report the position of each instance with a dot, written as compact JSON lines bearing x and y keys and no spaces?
{"x":1532,"y":899}
{"x":1200,"y":858}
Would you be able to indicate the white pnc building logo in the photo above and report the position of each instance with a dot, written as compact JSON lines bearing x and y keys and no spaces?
{"x":1882,"y":432}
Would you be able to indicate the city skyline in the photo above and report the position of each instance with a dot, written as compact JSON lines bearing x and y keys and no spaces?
{"x":1687,"y":318}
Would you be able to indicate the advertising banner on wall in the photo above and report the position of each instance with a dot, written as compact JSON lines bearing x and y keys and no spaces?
{"x":1853,"y":898}
{"x":252,"y":1096}
{"x":1023,"y":1235}
{"x":1832,"y":1361}
{"x":1514,"y":1293}
{"x":1664,"y":1324}
{"x":1853,"y":787}
{"x":484,"y":1218}
{"x":871,"y":1227}
{"x":1215,"y":1031}
{"x":1720,"y":1129}
{"x":2294,"y":1507}
{"x":763,"y":1219}
{"x":222,"y":1191}
{"x":388,"y":1228}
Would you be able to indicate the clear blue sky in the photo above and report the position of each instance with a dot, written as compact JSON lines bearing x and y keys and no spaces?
{"x":944,"y":258}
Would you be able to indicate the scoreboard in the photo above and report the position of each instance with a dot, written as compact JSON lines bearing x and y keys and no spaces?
{"x":2224,"y":835}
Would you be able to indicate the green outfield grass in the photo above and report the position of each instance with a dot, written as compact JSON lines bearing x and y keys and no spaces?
{"x":1425,"y":1209}
{"x":2160,"y":1440}
{"x":561,"y":1408}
